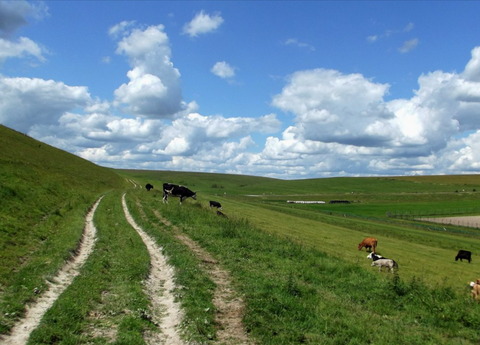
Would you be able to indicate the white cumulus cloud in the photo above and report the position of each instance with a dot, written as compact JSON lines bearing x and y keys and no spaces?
{"x":203,"y":23}
{"x":154,"y":88}
{"x":26,"y":102}
{"x":223,"y":70}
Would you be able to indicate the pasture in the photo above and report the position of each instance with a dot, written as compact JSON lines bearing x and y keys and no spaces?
{"x":423,"y":250}
{"x":269,"y":273}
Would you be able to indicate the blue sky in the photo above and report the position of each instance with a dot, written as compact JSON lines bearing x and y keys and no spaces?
{"x":284,"y":89}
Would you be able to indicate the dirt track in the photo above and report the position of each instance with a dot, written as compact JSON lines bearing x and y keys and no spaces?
{"x":160,"y":284}
{"x":471,"y":221}
{"x":21,"y":332}
{"x":166,"y":313}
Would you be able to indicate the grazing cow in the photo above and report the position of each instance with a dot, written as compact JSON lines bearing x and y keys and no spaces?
{"x":178,"y":191}
{"x":148,"y":186}
{"x":215,"y":204}
{"x":475,"y":289}
{"x":464,"y":254}
{"x":368,"y":243}
{"x":380,"y":261}
{"x":375,"y":256}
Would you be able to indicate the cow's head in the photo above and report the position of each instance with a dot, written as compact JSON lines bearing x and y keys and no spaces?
{"x":194,"y":196}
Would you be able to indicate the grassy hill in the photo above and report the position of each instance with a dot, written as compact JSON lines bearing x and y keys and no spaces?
{"x":44,"y":195}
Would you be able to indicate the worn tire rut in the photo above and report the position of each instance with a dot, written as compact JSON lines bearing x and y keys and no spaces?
{"x":228,"y":303}
{"x":160,"y":284}
{"x":22,"y":330}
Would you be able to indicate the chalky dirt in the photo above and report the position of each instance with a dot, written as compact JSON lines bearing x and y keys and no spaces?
{"x":166,"y":313}
{"x":21,"y":331}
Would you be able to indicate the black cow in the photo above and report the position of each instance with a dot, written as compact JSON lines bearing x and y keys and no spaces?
{"x":464,"y":254}
{"x":178,"y":191}
{"x":215,"y":204}
{"x":148,"y":186}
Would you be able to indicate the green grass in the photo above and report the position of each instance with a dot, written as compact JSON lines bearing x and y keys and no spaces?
{"x":297,"y":266}
{"x":108,"y":294}
{"x":45,"y":194}
{"x":195,"y":289}
{"x":296,"y":293}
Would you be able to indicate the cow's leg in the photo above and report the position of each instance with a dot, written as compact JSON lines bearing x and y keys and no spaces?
{"x":165,"y":197}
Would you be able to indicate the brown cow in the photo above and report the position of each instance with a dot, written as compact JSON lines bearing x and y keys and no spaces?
{"x":475,"y":289}
{"x":369,"y":242}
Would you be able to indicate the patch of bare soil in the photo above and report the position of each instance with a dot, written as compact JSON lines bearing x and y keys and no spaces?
{"x":229,"y":305}
{"x":22,"y":330}
{"x":469,"y":221}
{"x":166,"y":313}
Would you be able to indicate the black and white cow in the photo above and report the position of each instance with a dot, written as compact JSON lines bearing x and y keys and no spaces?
{"x":178,"y":191}
{"x":464,"y":254}
{"x":148,"y":186}
{"x":380,"y":261}
{"x":215,"y":204}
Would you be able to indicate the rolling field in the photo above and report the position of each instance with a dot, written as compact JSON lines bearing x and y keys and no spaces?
{"x":422,"y":249}
{"x":271,"y":272}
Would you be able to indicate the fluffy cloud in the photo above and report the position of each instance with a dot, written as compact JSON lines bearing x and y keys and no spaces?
{"x":223,"y":70}
{"x":472,"y":70}
{"x":13,"y":15}
{"x":195,"y":132}
{"x":120,"y":29}
{"x":332,"y":107}
{"x":154,"y":88}
{"x":344,"y":125}
{"x":20,"y":48}
{"x":202,"y":23}
{"x":27,"y":102}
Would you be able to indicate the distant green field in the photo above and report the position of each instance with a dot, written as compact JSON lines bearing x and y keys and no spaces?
{"x":336,"y":229}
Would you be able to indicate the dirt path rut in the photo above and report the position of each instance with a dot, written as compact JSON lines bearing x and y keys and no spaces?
{"x":229,"y":305}
{"x":160,"y":284}
{"x":22,"y":330}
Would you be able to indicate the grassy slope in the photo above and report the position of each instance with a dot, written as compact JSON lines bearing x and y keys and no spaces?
{"x":44,"y":196}
{"x":420,"y":253}
{"x":297,"y":293}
